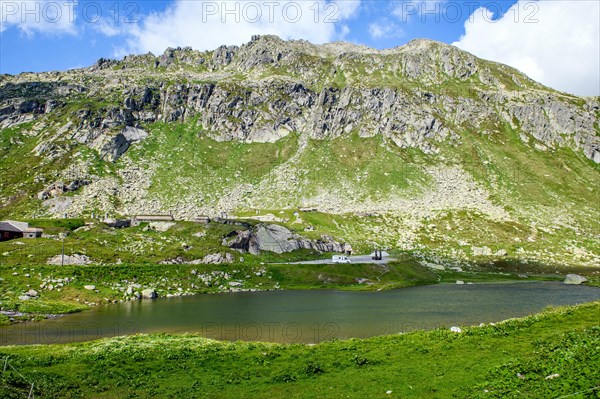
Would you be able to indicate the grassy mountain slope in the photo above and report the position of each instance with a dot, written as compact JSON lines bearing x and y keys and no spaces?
{"x":384,"y":144}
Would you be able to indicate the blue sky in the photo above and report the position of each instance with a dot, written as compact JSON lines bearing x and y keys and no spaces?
{"x":553,"y":41}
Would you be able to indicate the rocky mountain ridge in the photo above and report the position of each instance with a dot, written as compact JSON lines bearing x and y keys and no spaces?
{"x":416,"y":132}
{"x":414,"y":96}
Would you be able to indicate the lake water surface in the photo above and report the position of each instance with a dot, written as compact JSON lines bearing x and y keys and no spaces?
{"x":305,"y":316}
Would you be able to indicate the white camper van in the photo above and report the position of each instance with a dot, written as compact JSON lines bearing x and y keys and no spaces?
{"x":340,"y":259}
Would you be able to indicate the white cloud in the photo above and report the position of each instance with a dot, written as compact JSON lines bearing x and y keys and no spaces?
{"x":555,"y":42}
{"x":385,"y":29}
{"x":107,"y":27}
{"x":40,"y":16}
{"x":207,"y":24}
{"x":343,"y":32}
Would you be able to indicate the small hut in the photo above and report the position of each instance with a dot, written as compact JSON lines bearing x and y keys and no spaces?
{"x":10,"y":229}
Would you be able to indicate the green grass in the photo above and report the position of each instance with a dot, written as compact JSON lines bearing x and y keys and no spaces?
{"x":528,"y":181}
{"x":205,"y":168}
{"x":480,"y":362}
{"x":56,"y":226}
{"x":18,"y":167}
{"x":361,"y":168}
{"x":104,"y":245}
{"x":449,"y":276}
{"x":353,"y":276}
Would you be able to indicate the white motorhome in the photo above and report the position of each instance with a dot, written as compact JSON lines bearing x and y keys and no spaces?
{"x":340,"y":259}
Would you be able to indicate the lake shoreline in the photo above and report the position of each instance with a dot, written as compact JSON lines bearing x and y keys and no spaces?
{"x":16,"y":317}
{"x":378,"y":305}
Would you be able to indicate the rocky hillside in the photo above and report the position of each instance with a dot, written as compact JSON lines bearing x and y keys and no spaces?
{"x":417,"y":134}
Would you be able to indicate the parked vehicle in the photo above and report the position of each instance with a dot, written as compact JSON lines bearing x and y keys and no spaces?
{"x":340,"y":259}
{"x":378,"y":255}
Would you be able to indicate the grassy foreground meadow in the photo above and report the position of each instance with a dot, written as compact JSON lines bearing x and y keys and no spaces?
{"x":549,"y":355}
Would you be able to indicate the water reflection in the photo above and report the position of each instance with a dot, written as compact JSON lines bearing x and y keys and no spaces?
{"x":305,"y":316}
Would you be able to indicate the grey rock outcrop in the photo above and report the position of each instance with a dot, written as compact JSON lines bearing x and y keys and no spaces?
{"x":60,"y":187}
{"x":69,"y":260}
{"x":121,"y":143}
{"x":278,"y":239}
{"x":575,"y":279}
{"x":482,"y":251}
{"x":117,"y":223}
{"x":149,"y":293}
{"x":217,"y":258}
{"x":210,"y":259}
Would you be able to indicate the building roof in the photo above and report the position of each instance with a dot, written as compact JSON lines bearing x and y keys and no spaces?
{"x":11,"y":225}
{"x":154,"y":217}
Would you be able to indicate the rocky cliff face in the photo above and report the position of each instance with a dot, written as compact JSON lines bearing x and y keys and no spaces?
{"x":415,"y":96}
{"x":77,"y":125}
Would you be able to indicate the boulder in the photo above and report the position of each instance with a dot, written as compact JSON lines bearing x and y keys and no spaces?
{"x":242,"y":241}
{"x":574,"y":279}
{"x":481,"y":251}
{"x":455,"y":329}
{"x":211,"y":259}
{"x":69,"y":260}
{"x":149,"y":293}
{"x":434,"y":266}
{"x":120,"y":143}
{"x":131,"y":289}
{"x":90,"y":287}
{"x":217,"y":258}
{"x":32,"y":293}
{"x":278,"y":239}
{"x":275,"y":238}
{"x":24,"y":298}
